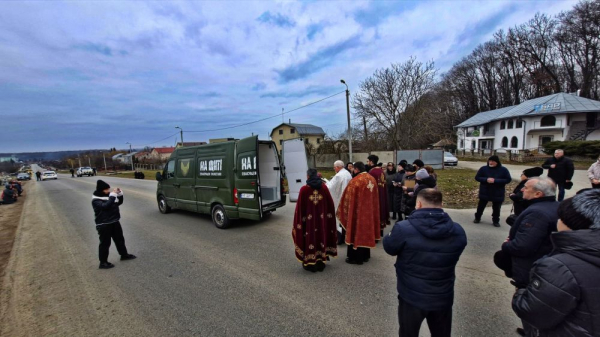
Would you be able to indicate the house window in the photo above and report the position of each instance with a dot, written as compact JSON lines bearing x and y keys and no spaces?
{"x":519,"y":123}
{"x":510,"y":124}
{"x":306,"y":141}
{"x":504,"y":142}
{"x":318,"y":140}
{"x":548,"y":121}
{"x":292,"y":130}
{"x":462,"y":144}
{"x":545,"y":139}
{"x":473,"y":143}
{"x":281,"y":132}
{"x":502,"y":125}
{"x":514,"y":142}
{"x":281,"y":142}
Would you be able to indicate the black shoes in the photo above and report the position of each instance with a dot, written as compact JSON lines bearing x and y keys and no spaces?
{"x":521,"y":331}
{"x":106,"y":265}
{"x":496,"y":224}
{"x":350,"y":261}
{"x":311,"y":268}
{"x":128,"y":257}
{"x":477,"y":219}
{"x":320,"y":266}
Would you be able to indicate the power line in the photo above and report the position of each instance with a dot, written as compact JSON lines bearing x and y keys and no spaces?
{"x":264,"y":119}
{"x":176,"y":133}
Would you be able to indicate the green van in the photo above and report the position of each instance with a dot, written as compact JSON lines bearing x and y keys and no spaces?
{"x":239,"y":179}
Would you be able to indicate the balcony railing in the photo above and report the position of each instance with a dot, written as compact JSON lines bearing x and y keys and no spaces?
{"x":481,"y":133}
{"x":538,"y":125}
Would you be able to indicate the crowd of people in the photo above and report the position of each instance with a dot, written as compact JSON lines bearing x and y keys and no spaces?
{"x":12,"y":191}
{"x":551,"y":254}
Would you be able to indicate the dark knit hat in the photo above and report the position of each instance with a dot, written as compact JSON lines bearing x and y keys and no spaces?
{"x":494,"y":158}
{"x":533,"y":172}
{"x":409,"y":168}
{"x":581,"y":211}
{"x":101,"y":185}
{"x":418,"y":162}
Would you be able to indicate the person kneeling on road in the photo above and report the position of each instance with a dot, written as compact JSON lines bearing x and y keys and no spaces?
{"x":106,"y":211}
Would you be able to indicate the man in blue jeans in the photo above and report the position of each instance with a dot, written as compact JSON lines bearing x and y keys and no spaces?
{"x":428,"y":245}
{"x":560,"y":169}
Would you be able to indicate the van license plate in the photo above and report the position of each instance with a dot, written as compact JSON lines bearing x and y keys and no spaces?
{"x":247,"y":196}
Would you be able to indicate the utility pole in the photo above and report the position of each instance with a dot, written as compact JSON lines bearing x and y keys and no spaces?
{"x":348,"y":116}
{"x":181,"y":133}
{"x":130,"y":156}
{"x":104,"y":162}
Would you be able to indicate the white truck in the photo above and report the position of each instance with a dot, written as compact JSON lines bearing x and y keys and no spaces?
{"x":85,"y":171}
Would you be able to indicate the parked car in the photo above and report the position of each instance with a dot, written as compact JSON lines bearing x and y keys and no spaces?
{"x":450,"y":159}
{"x":23,"y":176}
{"x":85,"y":171}
{"x":49,"y":175}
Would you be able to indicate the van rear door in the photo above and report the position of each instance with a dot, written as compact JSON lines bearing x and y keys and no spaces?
{"x":247,"y":182}
{"x":296,"y":165}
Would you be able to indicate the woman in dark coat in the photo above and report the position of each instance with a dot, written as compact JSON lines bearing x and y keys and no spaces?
{"x":409,"y":176}
{"x":492,"y":180}
{"x":397,"y":188}
{"x":562,"y":296}
{"x":390,"y":174}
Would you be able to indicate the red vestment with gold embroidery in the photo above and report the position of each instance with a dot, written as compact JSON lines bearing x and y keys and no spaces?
{"x":314,"y":231}
{"x":358,"y":211}
{"x":384,"y":212}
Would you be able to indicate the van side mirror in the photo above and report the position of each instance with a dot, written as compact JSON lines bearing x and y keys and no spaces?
{"x":159,"y":176}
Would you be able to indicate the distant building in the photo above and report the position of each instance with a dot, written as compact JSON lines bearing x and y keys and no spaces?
{"x":184,"y":144}
{"x":531,"y":124}
{"x":142,"y":155}
{"x":311,"y":134}
{"x":7,"y":159}
{"x":162,"y":153}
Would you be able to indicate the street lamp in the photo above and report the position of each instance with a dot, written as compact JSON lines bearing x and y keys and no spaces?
{"x":130,"y":156}
{"x":181,"y":132}
{"x":348,"y":115}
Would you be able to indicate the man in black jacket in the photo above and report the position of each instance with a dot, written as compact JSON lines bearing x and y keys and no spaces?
{"x":529,"y":237}
{"x":428,"y":245}
{"x":106,"y":210}
{"x":562,"y":298}
{"x":492,"y":180}
{"x":560,"y":169}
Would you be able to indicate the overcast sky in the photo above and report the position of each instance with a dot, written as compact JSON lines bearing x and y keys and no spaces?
{"x":97,"y":74}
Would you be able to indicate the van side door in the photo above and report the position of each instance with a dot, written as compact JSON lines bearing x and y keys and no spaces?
{"x":186,"y":180}
{"x":296,"y":165}
{"x":247,"y":180}
{"x":169,"y":183}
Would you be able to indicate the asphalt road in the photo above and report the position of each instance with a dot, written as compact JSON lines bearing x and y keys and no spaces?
{"x":191,"y":278}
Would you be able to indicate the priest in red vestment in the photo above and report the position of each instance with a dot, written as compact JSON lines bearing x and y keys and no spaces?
{"x":314,"y":231}
{"x":358,"y":213}
{"x":379,"y":175}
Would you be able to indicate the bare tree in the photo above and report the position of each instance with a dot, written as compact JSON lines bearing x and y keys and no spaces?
{"x":389,"y":92}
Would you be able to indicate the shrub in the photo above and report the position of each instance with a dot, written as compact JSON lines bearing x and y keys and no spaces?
{"x":584,"y":148}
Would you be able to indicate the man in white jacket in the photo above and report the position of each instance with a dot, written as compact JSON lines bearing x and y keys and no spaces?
{"x":336,"y":187}
{"x":594,"y":174}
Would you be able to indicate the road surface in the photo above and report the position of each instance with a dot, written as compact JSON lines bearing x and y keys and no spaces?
{"x":191,"y":278}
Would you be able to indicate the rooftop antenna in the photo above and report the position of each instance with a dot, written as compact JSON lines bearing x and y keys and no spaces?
{"x":282,"y":121}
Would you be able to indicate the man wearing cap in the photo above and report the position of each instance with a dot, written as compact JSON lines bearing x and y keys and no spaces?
{"x":106,"y":211}
{"x":562,"y":296}
{"x":519,"y":204}
{"x":561,"y":170}
{"x":492,"y":180}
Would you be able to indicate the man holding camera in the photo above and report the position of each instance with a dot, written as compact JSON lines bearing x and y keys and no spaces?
{"x":106,"y":210}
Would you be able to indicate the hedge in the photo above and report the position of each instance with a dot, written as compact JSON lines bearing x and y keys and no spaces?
{"x":583,"y":148}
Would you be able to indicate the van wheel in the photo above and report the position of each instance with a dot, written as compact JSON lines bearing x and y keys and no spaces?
{"x":163,"y":207}
{"x":219,"y":217}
